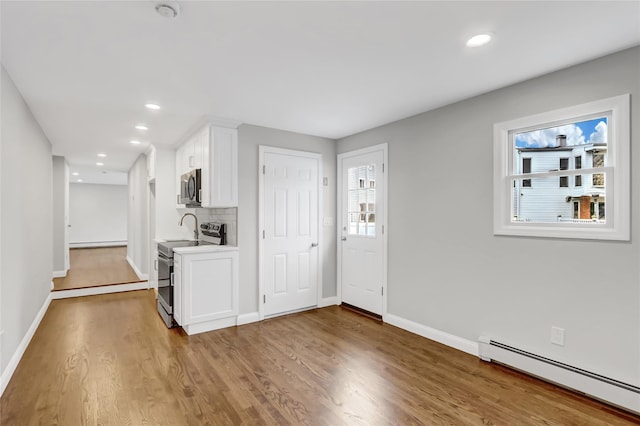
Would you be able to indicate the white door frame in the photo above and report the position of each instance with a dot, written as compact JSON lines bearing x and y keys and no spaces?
{"x":340,"y":217}
{"x":264,"y":149}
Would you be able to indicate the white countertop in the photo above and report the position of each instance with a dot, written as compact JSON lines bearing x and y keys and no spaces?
{"x":206,"y":248}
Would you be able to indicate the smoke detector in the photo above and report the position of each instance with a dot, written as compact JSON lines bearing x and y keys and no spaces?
{"x":168,"y":9}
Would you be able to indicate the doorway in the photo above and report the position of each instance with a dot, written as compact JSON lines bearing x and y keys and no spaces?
{"x":362,"y":239}
{"x":289,"y":210}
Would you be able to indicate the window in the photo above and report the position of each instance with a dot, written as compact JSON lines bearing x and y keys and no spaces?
{"x":362,"y":197}
{"x":526,"y":168}
{"x":564,"y":181}
{"x":596,"y":136}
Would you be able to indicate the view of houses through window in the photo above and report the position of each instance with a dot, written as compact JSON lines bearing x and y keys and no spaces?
{"x":563,"y":186}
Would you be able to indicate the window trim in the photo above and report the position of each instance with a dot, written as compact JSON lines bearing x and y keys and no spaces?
{"x":618,"y":195}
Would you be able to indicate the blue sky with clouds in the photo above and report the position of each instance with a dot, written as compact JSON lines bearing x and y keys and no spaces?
{"x":580,"y":133}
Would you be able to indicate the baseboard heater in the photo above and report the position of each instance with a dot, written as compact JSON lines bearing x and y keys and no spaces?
{"x":609,"y":390}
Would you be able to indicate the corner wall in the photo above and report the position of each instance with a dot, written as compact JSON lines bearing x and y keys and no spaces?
{"x":25,"y":223}
{"x":137,"y":222}
{"x":60,"y":210}
{"x":449,"y":272}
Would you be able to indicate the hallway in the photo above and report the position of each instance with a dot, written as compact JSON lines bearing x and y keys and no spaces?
{"x":95,"y":267}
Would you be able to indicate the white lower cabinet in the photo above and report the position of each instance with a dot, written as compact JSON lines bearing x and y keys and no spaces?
{"x":206,"y":290}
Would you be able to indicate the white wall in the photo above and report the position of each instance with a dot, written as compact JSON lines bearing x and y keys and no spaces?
{"x":137,"y":210}
{"x":452,"y":274}
{"x":26,"y":219}
{"x":60,"y":211}
{"x":249,"y":138}
{"x":97,"y":214}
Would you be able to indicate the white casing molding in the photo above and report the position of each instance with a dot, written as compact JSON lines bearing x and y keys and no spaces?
{"x":455,"y":342}
{"x":22,"y":347}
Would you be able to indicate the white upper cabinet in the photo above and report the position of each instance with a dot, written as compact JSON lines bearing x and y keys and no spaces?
{"x":214,"y":150}
{"x":220,"y":168}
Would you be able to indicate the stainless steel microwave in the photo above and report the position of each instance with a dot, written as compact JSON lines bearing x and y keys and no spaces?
{"x":191,"y":188}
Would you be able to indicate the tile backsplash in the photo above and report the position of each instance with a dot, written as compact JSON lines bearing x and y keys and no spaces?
{"x":228,"y":216}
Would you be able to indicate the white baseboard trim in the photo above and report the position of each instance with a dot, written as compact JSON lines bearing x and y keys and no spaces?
{"x":24,"y":343}
{"x":136,"y":270}
{"x":203,"y":327}
{"x":59,"y":274}
{"x":455,"y":342}
{"x":91,"y":244}
{"x":328,"y":301}
{"x":92,"y":291}
{"x":248,"y":318}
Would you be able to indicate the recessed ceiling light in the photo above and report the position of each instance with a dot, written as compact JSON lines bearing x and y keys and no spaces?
{"x":479,"y":40}
{"x":79,"y":180}
{"x":75,"y":173}
{"x":142,"y":127}
{"x":152,"y":106}
{"x":134,"y":142}
{"x":99,"y":164}
{"x":168,"y":9}
{"x":102,"y":154}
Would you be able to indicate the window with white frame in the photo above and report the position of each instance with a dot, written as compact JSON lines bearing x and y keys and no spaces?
{"x":532,"y":171}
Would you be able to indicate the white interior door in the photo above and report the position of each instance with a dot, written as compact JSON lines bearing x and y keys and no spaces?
{"x":362,"y":260}
{"x":290,"y":206}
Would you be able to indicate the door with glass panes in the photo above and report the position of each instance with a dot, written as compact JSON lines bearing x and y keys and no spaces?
{"x":361,"y":270}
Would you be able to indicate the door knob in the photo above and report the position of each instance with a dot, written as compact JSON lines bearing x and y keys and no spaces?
{"x":314,"y":245}
{"x":344,"y":238}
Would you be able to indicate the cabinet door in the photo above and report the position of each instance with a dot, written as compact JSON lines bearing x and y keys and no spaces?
{"x":209,"y":286}
{"x":177,"y":289}
{"x":222,"y":176}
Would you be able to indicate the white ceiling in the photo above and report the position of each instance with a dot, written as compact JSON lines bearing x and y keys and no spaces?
{"x":331,"y":69}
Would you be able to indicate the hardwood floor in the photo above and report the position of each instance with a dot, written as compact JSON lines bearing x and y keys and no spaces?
{"x":94,"y":267}
{"x":109,"y":360}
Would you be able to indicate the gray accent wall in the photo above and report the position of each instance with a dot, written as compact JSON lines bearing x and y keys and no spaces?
{"x":448,"y":271}
{"x":25,"y":221}
{"x":249,"y":139}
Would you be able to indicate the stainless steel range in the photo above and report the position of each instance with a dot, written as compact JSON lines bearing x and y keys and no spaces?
{"x":217,"y":233}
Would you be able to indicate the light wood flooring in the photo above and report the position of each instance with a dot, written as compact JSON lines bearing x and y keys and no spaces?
{"x":95,"y":267}
{"x":109,"y":360}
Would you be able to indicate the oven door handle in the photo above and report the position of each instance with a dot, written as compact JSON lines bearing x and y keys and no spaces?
{"x":172,"y":279}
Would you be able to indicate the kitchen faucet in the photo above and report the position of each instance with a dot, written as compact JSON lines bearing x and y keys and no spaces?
{"x":195,"y":231}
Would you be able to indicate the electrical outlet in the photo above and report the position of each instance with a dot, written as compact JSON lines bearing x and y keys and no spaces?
{"x":557,"y":336}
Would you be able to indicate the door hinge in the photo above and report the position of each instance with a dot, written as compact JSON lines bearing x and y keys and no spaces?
{"x":382,"y":291}
{"x":382,"y":167}
{"x":383,"y":229}
{"x":264,"y":298}
{"x":264,"y":169}
{"x":263,"y":234}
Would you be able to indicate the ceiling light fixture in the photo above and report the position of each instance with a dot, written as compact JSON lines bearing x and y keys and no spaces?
{"x":75,"y":173}
{"x":154,"y":107}
{"x":142,"y":127}
{"x":99,"y":164}
{"x":134,"y":142}
{"x":479,"y":40}
{"x":168,"y":9}
{"x":102,"y":154}
{"x":79,"y":180}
